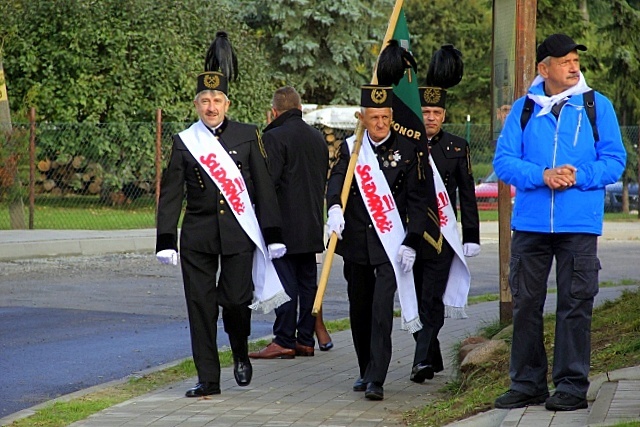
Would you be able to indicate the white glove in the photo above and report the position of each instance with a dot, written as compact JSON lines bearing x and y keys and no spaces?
{"x":276,"y":250}
{"x":335,"y":222}
{"x":406,"y":257}
{"x":471,"y":249}
{"x":168,"y":256}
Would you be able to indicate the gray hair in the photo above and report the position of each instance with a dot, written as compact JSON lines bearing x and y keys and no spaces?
{"x":212,"y":92}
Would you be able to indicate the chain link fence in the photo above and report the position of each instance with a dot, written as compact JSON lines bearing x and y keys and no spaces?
{"x":105,"y":176}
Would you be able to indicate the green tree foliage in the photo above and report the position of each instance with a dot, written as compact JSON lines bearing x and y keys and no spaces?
{"x":468,"y":28}
{"x":325,"y":48}
{"x":118,"y":61}
{"x":113,"y":63}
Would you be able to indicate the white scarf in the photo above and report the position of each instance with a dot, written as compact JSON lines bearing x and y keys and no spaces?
{"x":457,"y":291}
{"x":547,"y":102}
{"x":384,"y":214}
{"x":222,"y":170}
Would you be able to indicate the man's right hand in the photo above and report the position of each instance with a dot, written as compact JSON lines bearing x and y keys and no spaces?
{"x":335,"y":222}
{"x":560,"y":178}
{"x":168,"y":256}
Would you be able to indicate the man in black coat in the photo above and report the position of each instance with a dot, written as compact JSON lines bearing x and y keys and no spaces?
{"x":370,"y":268}
{"x":298,"y":163}
{"x":212,"y":237}
{"x":450,"y":154}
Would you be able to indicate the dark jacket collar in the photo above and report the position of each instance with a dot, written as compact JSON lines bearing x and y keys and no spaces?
{"x":218,"y":131}
{"x":279,"y":121}
{"x":387,"y":145}
{"x":436,"y":138}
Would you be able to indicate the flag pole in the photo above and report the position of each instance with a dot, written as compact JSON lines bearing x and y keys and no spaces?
{"x":344,"y":195}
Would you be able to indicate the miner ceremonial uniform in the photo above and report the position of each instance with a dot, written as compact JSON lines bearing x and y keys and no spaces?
{"x":371,"y":278}
{"x":221,"y":168}
{"x":451,"y":156}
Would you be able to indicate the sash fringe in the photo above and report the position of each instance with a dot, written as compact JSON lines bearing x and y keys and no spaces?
{"x":454,"y":312}
{"x":270,"y":304}
{"x":412,"y":326}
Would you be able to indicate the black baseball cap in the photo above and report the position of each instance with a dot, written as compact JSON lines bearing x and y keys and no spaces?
{"x":557,"y":45}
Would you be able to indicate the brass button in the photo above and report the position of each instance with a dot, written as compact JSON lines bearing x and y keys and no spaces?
{"x":221,"y":212}
{"x":222,"y":202}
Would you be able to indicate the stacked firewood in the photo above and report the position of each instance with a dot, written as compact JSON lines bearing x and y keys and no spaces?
{"x":69,"y":174}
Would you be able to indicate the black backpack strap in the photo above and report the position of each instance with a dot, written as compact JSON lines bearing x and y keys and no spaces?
{"x":590,"y":104}
{"x":527,"y":109}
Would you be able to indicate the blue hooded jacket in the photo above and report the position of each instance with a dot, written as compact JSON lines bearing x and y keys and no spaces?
{"x":546,"y":142}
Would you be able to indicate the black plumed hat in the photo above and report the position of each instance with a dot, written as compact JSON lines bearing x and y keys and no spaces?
{"x":445,"y":70}
{"x":392,"y":63}
{"x":446,"y":67}
{"x":222,"y":57}
{"x":220,"y":66}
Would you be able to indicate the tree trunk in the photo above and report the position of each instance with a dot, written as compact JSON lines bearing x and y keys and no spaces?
{"x":16,"y":206}
{"x":584,"y":10}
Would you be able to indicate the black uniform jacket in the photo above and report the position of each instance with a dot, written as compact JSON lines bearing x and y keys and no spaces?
{"x":360,"y":243}
{"x":298,"y":163}
{"x":451,"y":155}
{"x":209,"y":225}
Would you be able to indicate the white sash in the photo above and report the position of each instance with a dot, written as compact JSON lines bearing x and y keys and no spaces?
{"x":382,"y":209}
{"x":457,"y":291}
{"x":222,"y":170}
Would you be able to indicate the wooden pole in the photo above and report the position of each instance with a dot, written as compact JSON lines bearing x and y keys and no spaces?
{"x":158,"y":154}
{"x":525,"y":70}
{"x":32,"y":165}
{"x":344,"y":195}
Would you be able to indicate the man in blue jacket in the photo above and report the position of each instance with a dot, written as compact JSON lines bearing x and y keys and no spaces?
{"x":560,"y":171}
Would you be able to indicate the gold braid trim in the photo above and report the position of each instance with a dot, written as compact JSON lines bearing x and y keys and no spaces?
{"x":261,"y":145}
{"x":435,"y":218}
{"x":421,"y":174}
{"x":436,"y":244}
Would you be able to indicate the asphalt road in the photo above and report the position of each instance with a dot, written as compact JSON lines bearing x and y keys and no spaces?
{"x":73,"y":322}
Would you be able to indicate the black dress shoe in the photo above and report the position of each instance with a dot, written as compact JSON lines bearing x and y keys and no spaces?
{"x":359,"y":385}
{"x":243,"y":371}
{"x":421,"y":372}
{"x":325,"y":347}
{"x":203,"y":389}
{"x":374,"y":392}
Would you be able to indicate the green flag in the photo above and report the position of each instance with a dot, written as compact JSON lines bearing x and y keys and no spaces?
{"x":407,"y":115}
{"x":407,"y":121}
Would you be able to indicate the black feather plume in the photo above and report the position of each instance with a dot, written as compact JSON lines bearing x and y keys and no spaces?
{"x":222,"y":57}
{"x":446,"y":67}
{"x":392,"y":63}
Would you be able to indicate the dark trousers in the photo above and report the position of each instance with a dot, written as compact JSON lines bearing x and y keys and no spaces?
{"x":577,"y":268}
{"x":371,"y":290}
{"x":298,"y":274}
{"x":233,"y":292}
{"x":431,"y":277}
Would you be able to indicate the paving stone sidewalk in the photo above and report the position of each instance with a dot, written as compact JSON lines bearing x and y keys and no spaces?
{"x":316,"y":391}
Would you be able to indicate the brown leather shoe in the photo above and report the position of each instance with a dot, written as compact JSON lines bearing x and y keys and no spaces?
{"x":303,"y":350}
{"x":274,"y":351}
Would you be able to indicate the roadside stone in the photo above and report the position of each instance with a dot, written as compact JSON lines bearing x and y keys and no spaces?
{"x":483,"y":353}
{"x":505,"y":334}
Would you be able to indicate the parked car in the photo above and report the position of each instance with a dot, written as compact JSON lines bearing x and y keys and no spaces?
{"x":613,"y":197}
{"x":487,"y":193}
